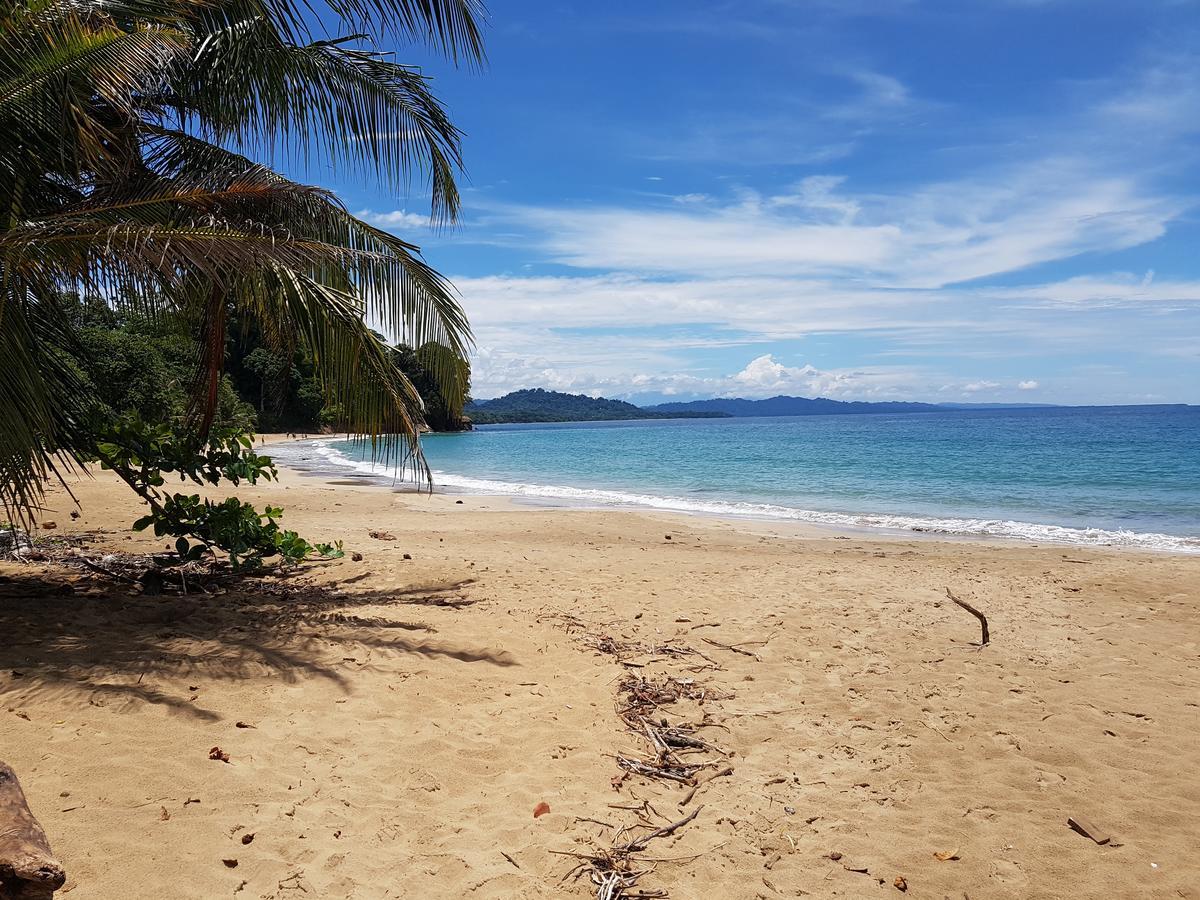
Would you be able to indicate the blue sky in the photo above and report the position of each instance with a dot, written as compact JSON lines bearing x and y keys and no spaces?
{"x":966,"y":200}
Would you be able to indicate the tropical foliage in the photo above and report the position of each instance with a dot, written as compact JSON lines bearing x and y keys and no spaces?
{"x":130,"y":139}
{"x":144,"y":455}
{"x":134,"y":364}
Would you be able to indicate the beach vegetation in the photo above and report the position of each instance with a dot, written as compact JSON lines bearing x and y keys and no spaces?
{"x":145,"y":456}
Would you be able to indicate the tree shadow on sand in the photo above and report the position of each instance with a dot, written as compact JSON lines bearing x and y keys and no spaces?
{"x":70,"y":633}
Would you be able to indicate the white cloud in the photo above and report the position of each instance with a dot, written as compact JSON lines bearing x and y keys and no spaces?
{"x":397,"y":218}
{"x":625,"y":336}
{"x":1027,"y":385}
{"x":763,"y":376}
{"x":940,"y":234}
{"x":1118,"y":288}
{"x":496,"y":372}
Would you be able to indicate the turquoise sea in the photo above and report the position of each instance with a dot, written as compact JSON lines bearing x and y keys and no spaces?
{"x":1125,"y":476}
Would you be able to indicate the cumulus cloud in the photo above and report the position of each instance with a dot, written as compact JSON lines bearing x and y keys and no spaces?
{"x":1027,"y":385}
{"x":396,"y":218}
{"x":498,"y":371}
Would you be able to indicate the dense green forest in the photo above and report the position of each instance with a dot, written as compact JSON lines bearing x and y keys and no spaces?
{"x":538,"y":405}
{"x":144,"y":364}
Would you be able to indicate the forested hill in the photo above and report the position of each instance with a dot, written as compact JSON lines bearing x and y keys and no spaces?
{"x":789,"y":406}
{"x":538,"y":405}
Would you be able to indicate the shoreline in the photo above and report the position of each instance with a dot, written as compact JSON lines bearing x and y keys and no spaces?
{"x":808,"y":523}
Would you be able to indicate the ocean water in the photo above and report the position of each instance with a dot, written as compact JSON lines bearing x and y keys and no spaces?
{"x":1127,"y":476}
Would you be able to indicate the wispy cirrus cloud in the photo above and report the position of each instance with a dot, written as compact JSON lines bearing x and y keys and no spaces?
{"x":828,"y":121}
{"x":939,"y":234}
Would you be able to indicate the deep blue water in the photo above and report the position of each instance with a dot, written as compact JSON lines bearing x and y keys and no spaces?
{"x":1126,"y":475}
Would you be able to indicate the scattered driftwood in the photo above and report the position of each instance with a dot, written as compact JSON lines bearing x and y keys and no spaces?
{"x":28,"y":870}
{"x":615,"y":872}
{"x":604,"y":642}
{"x":674,"y":750}
{"x":983,"y":622}
{"x":640,"y":707}
{"x":660,"y":768}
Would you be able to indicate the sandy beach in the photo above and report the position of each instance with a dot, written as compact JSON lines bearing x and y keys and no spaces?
{"x":392,"y":722}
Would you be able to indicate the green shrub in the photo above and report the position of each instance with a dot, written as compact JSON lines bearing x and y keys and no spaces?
{"x":145,"y":455}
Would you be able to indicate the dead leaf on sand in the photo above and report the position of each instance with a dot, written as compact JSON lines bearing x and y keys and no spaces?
{"x":900,"y":884}
{"x":218,"y":753}
{"x":944,"y":855}
{"x":541,"y":809}
{"x":382,"y":535}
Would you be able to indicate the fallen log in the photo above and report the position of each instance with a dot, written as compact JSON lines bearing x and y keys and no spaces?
{"x":28,"y":870}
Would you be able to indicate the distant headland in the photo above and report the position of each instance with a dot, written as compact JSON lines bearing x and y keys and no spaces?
{"x":539,"y":405}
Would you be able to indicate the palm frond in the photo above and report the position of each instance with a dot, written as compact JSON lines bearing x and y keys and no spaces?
{"x":328,"y":100}
{"x":44,"y":403}
{"x":372,"y":397}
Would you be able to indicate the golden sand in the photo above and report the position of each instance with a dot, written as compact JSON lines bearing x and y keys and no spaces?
{"x":401,"y":738}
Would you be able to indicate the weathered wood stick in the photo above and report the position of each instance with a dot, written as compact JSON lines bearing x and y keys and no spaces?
{"x":728,"y":770}
{"x":976,"y":613}
{"x":733,"y":648}
{"x":28,"y":870}
{"x":639,"y":844}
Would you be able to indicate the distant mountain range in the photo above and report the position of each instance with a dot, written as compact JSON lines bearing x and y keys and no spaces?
{"x":820,"y":406}
{"x":789,"y":406}
{"x":538,"y":405}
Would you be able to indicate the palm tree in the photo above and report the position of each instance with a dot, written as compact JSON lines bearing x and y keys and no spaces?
{"x":129,"y":137}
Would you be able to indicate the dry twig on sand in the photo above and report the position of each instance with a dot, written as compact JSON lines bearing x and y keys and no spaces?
{"x":983,"y":622}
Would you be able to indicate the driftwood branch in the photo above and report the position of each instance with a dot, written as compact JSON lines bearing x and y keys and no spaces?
{"x":983,"y":622}
{"x":28,"y":870}
{"x":639,"y":844}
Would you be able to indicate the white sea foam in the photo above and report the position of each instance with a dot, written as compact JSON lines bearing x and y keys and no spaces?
{"x":997,"y":528}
